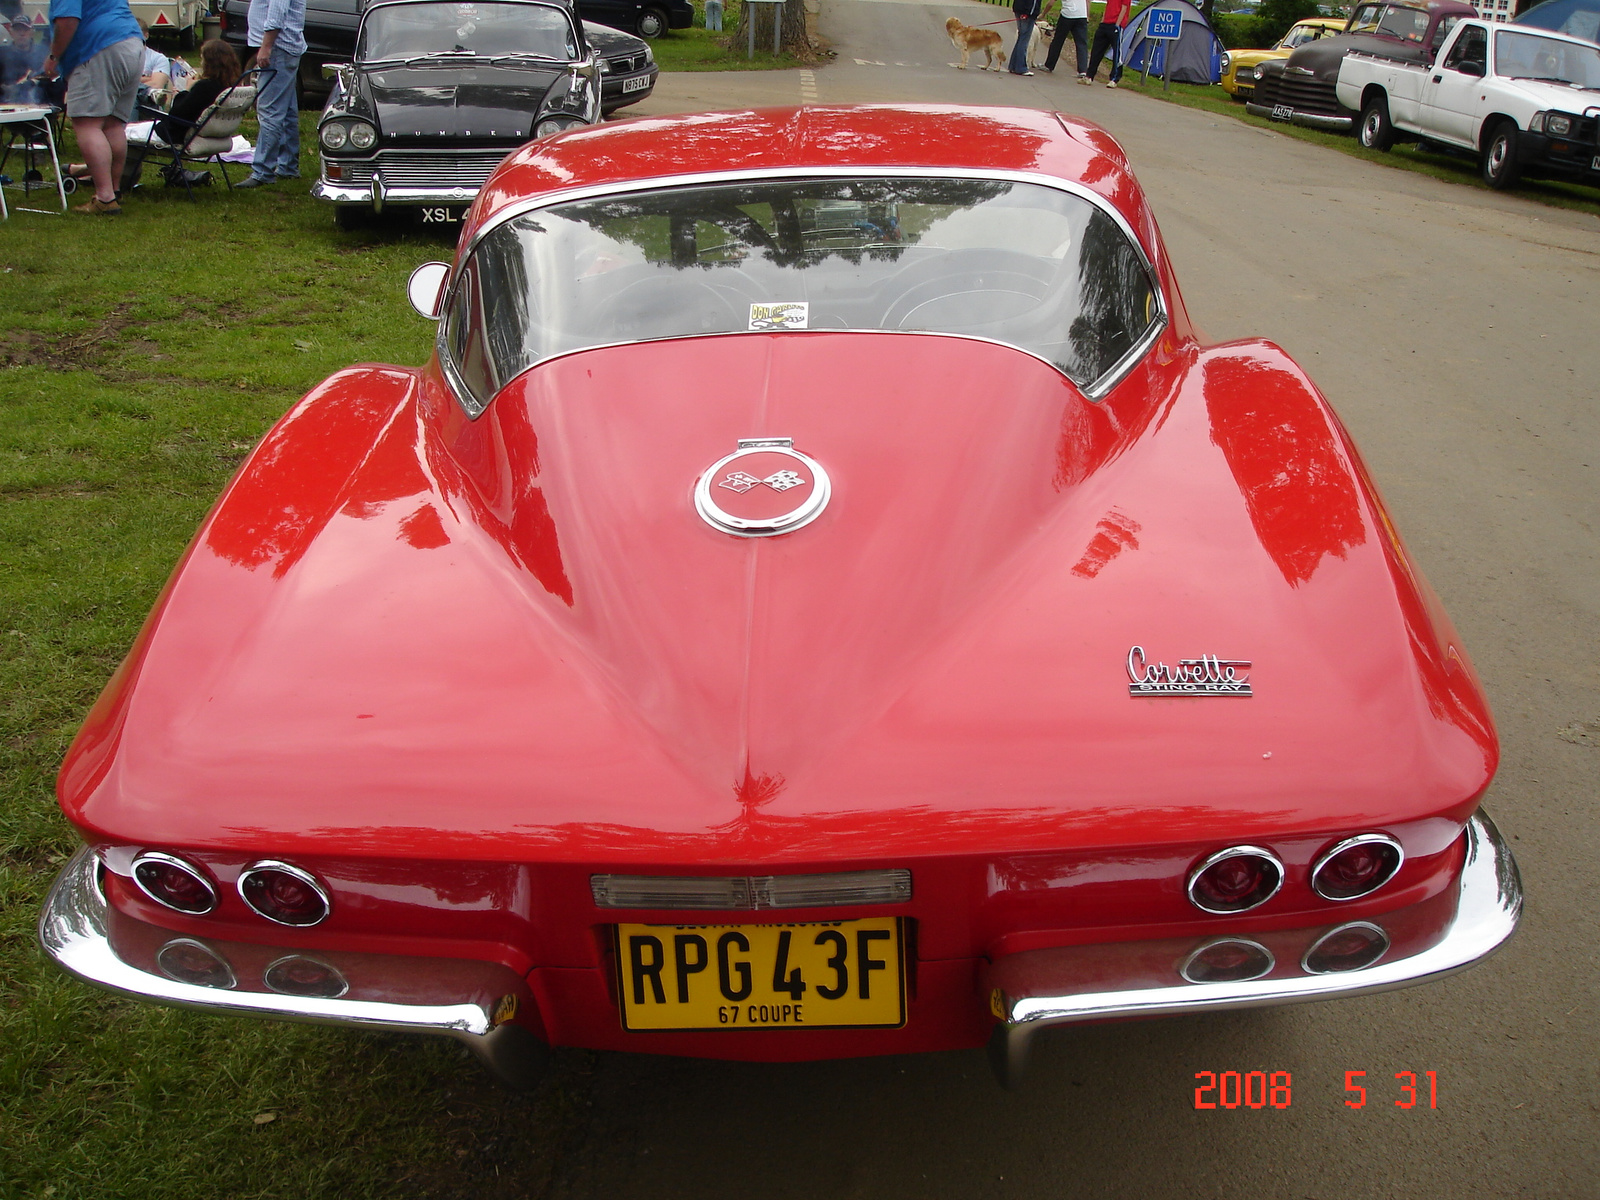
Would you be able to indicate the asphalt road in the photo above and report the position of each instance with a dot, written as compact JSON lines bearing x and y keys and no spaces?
{"x":1453,"y":330}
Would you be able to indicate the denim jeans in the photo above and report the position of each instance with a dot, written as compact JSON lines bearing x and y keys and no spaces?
{"x":278,"y":109}
{"x":1077,"y":28}
{"x":1019,"y":53}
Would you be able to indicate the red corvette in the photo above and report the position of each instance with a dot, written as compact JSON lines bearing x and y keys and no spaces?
{"x":822,"y":598}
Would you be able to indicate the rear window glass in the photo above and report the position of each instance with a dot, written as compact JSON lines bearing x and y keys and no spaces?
{"x":1019,"y":263}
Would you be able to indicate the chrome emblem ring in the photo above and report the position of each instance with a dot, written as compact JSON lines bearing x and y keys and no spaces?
{"x":765,"y":487}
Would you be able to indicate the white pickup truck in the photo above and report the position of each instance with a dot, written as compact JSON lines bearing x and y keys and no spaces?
{"x":1525,"y":100}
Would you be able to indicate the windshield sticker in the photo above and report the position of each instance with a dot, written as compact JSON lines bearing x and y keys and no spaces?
{"x":780,"y":316}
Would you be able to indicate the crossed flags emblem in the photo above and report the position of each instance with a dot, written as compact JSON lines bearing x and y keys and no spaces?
{"x":778,"y":481}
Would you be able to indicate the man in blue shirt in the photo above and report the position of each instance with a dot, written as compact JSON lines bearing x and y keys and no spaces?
{"x":96,"y":45}
{"x":278,"y":29}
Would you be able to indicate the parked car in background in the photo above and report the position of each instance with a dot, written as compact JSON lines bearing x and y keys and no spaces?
{"x":1302,"y":87}
{"x":1239,"y":77}
{"x":647,"y":18}
{"x":628,"y":67}
{"x":820,"y":598}
{"x":439,"y":92}
{"x":1521,"y":99}
{"x":1575,"y":18}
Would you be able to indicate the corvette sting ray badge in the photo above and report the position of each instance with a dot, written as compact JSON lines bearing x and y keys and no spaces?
{"x":765,"y":487}
{"x":1207,"y":675}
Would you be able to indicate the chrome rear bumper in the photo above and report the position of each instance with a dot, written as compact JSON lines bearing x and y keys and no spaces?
{"x":1315,"y":120}
{"x":465,"y":1000}
{"x":1042,"y":988}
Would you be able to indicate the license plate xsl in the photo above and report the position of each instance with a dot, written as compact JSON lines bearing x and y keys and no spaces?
{"x":1282,"y":112}
{"x":813,"y":975}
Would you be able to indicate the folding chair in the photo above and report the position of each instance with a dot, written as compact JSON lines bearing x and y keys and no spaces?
{"x":204,"y":140}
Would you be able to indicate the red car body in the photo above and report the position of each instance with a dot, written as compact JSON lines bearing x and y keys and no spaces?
{"x":457,"y":669}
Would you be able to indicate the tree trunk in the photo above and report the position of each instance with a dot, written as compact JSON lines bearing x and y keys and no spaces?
{"x":794,"y":26}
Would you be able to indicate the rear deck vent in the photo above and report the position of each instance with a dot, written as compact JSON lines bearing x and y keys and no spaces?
{"x":747,"y":892}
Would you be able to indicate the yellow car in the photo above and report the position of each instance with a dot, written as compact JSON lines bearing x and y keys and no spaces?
{"x":1238,"y":76}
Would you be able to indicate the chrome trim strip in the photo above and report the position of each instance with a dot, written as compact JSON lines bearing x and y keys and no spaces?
{"x":1223,"y":856}
{"x":188,"y":868}
{"x":342,"y":194}
{"x":1096,"y":391}
{"x":72,"y":931}
{"x":1361,"y":839}
{"x":1383,"y":936}
{"x":1228,"y":941}
{"x":304,"y":876}
{"x":1488,"y":907}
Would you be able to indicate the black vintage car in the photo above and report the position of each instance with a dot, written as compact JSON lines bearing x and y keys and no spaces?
{"x":627,"y":66}
{"x":439,"y":92}
{"x":1300,"y":88}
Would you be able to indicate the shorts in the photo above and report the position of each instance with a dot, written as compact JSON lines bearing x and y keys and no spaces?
{"x":106,"y":85}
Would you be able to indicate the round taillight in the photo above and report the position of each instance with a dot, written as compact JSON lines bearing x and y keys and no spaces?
{"x":285,"y":894}
{"x":1356,"y":866}
{"x":189,"y":961}
{"x":1350,"y":947}
{"x":1235,"y":880}
{"x":1227,"y":960}
{"x":301,"y":975}
{"x":173,"y":883}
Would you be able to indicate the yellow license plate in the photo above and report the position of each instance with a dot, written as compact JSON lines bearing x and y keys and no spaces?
{"x":816,"y":975}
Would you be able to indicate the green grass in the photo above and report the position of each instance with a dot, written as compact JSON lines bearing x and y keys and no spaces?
{"x":140,"y":358}
{"x":1452,"y":168}
{"x":701,"y":49}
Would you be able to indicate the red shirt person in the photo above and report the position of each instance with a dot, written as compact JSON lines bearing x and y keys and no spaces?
{"x":1108,"y":38}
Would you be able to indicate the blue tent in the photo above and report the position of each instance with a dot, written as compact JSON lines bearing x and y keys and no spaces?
{"x":1196,"y":53}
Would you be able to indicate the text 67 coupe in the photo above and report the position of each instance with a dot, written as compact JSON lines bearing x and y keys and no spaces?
{"x":821,"y":598}
{"x":441,"y":90}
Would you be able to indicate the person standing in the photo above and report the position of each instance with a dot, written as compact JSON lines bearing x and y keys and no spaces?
{"x":278,"y":31}
{"x":20,"y":62}
{"x":96,"y":45}
{"x":1027,"y":15}
{"x":1109,"y":37}
{"x":1072,"y":22}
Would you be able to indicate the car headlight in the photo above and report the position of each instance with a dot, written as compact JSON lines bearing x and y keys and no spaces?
{"x":557,"y":125}
{"x":605,"y":66}
{"x":1558,"y":123}
{"x":1227,"y":61}
{"x":362,"y":135}
{"x":1256,"y":74}
{"x":335,"y":135}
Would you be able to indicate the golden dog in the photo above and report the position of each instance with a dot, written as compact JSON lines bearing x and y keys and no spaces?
{"x":968,"y":38}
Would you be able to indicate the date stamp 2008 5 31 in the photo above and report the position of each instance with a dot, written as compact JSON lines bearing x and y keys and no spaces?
{"x":1260,"y":1089}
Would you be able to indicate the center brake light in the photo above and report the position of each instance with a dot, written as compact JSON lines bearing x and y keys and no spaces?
{"x":751,"y":892}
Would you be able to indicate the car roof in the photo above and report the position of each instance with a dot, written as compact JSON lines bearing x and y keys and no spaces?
{"x":866,"y":137}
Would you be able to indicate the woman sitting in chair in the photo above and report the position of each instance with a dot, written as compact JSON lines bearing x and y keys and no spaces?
{"x":219,"y":71}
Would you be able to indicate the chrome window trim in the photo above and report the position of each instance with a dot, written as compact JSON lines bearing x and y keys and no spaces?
{"x":1183,"y":969}
{"x":1383,"y":934}
{"x":1223,"y":856}
{"x":1361,"y":839}
{"x":304,"y":876}
{"x":1098,"y":390}
{"x":233,"y":980}
{"x":188,"y":868}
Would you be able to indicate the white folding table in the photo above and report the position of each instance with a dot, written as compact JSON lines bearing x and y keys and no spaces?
{"x":25,"y":123}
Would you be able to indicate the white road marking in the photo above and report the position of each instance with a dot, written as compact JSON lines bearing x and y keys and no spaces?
{"x":808,"y":87}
